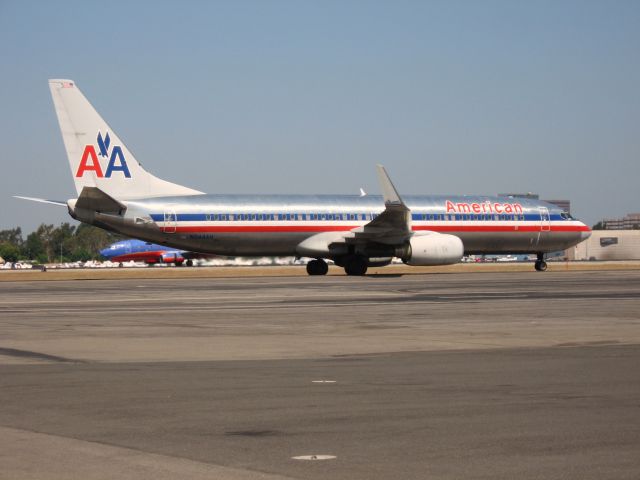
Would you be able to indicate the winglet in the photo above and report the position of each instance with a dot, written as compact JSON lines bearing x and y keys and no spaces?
{"x":389,"y":192}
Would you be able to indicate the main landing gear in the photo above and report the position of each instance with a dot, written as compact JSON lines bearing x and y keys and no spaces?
{"x":317,"y":267}
{"x":355,"y":265}
{"x":541,"y":265}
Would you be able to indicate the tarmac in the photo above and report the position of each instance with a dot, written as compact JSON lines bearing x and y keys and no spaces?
{"x":445,"y":375}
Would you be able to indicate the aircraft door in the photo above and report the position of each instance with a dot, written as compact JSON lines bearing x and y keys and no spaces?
{"x":545,"y":224}
{"x":170,"y":221}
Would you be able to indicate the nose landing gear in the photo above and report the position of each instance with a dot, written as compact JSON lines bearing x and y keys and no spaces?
{"x":540,"y":264}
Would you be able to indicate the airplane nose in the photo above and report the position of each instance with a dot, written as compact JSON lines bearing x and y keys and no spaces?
{"x":585,"y":233}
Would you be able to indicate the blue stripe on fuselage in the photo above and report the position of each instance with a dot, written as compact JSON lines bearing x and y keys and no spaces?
{"x":202,"y":217}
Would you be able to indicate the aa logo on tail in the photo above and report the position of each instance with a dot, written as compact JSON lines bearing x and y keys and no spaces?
{"x":90,"y":162}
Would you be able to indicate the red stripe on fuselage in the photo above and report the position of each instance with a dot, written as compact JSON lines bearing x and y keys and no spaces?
{"x":346,"y":228}
{"x":138,"y":256}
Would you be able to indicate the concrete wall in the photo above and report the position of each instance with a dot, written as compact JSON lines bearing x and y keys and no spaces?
{"x":601,"y":246}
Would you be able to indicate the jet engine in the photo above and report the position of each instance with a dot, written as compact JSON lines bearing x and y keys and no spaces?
{"x":433,"y":249}
{"x":171,"y":257}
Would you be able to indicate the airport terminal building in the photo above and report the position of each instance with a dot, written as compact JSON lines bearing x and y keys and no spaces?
{"x":608,"y":245}
{"x":628,"y":222}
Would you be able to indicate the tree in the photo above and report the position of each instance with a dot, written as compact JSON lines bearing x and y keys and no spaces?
{"x":598,"y":226}
{"x":46,"y":235}
{"x":62,"y":242}
{"x":12,"y":236}
{"x":33,"y":248}
{"x":9,"y":252}
{"x":51,"y":244}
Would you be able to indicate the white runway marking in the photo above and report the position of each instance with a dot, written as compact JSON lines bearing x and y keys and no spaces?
{"x":314,"y":457}
{"x":323,"y":381}
{"x":205,"y":298}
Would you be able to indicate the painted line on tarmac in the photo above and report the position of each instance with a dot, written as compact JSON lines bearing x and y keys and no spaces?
{"x":215,"y":308}
{"x":219,"y":296}
{"x":172,"y":308}
{"x":314,"y":457}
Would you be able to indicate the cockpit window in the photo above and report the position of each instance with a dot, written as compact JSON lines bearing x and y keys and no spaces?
{"x":566,"y":216}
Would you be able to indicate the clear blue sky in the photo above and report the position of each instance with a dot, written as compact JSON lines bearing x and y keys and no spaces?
{"x":300,"y":96}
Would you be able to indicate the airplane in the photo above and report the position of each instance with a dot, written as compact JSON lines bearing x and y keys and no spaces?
{"x":355,"y":232}
{"x":149,"y":253}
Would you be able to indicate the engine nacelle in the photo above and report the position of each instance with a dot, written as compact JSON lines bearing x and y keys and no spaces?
{"x":171,"y":257}
{"x":434,"y":249}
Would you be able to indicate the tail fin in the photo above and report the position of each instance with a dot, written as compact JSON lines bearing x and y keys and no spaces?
{"x":97,"y":156}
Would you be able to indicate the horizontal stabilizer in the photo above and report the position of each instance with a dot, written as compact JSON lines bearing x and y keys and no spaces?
{"x":94,"y":199}
{"x":42,"y":200}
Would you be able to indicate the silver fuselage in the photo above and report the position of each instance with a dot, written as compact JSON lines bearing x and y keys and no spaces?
{"x":261,"y":225}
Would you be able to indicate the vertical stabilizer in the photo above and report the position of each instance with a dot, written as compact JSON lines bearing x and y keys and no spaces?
{"x":97,"y":156}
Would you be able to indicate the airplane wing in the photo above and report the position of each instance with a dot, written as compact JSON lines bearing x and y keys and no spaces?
{"x":393,"y":225}
{"x":42,"y":200}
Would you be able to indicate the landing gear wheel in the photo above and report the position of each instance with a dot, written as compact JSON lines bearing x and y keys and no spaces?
{"x":317,"y":267}
{"x":541,"y":265}
{"x":189,"y":263}
{"x":355,"y":265}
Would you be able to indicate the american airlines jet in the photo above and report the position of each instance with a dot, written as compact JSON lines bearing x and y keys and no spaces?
{"x":116,"y":193}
